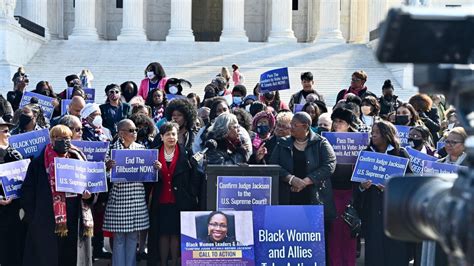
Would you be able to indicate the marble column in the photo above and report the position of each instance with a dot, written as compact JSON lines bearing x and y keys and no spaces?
{"x":37,"y":11}
{"x":84,"y":21}
{"x":132,"y":27}
{"x":377,"y":10}
{"x":329,"y":22}
{"x":282,"y":17}
{"x":233,"y":21}
{"x":181,"y":16}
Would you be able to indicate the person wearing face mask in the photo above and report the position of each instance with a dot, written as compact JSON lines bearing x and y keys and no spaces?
{"x":11,"y":227}
{"x":129,"y":90}
{"x":93,"y":130}
{"x":388,"y":101}
{"x":263,"y":125}
{"x":27,"y":121}
{"x":238,"y":94}
{"x":272,"y":99}
{"x":324,"y":123}
{"x":407,"y":116}
{"x":427,"y":112}
{"x":146,"y":129}
{"x":420,"y":139}
{"x":174,"y":86}
{"x":155,"y":77}
{"x":55,"y":220}
{"x":221,"y":86}
{"x":369,"y":109}
{"x":45,"y":88}
{"x":114,"y":110}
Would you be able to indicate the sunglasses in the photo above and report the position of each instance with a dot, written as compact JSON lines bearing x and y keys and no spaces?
{"x":355,"y":79}
{"x":77,"y":129}
{"x":5,"y":131}
{"x":114,"y":92}
{"x":131,"y":130}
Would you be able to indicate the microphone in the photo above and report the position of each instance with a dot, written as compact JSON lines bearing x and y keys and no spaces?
{"x":210,"y":145}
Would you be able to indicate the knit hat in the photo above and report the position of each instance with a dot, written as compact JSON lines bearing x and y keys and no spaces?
{"x":89,"y":109}
{"x":345,"y":115}
{"x":261,"y":115}
{"x":71,"y":78}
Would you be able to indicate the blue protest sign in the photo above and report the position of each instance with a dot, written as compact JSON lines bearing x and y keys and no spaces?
{"x":45,"y":102}
{"x":94,"y":150}
{"x":402,"y":132}
{"x":65,"y":105}
{"x":221,"y":239}
{"x":12,"y":176}
{"x":90,"y":93}
{"x":378,"y":167}
{"x":431,"y":167}
{"x":76,"y":176}
{"x":417,"y":158}
{"x":242,"y":192}
{"x":298,"y":108}
{"x":275,"y":80}
{"x":289,"y":235}
{"x":134,"y":166}
{"x":30,"y":144}
{"x":440,"y":145}
{"x":171,"y":97}
{"x":347,"y":145}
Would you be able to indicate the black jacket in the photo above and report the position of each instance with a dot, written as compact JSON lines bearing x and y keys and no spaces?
{"x":362,"y":93}
{"x":109,"y":121}
{"x":388,"y":106}
{"x":321,"y":162}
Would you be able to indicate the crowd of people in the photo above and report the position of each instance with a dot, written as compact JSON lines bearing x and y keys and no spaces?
{"x":56,"y":228}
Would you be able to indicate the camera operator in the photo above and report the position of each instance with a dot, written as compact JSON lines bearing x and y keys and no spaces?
{"x":20,"y":82}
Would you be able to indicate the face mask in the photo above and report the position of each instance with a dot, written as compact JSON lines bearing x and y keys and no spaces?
{"x":321,"y":130}
{"x":24,"y":120}
{"x":173,"y":90}
{"x":237,"y":100}
{"x":221,"y":93}
{"x":268,"y":96}
{"x":97,"y":122}
{"x":150,"y":74}
{"x":262,"y":129}
{"x":401,"y":120}
{"x":127,"y":95}
{"x":414,"y":143}
{"x":366,"y":110}
{"x":62,"y":146}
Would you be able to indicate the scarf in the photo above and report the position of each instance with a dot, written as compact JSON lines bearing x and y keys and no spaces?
{"x":158,"y":113}
{"x":59,"y":198}
{"x":98,"y":131}
{"x":354,"y":91}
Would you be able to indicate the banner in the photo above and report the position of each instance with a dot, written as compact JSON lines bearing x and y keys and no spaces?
{"x":275,"y":80}
{"x":65,"y":105}
{"x":402,"y":132}
{"x":12,"y":176}
{"x":378,"y":167}
{"x":75,"y":176}
{"x":45,"y":102}
{"x":347,"y":145}
{"x":298,"y":107}
{"x":94,"y":150}
{"x":210,"y":238}
{"x":431,"y":167}
{"x":417,"y":158}
{"x":289,"y":235}
{"x":90,"y":93}
{"x":242,"y":192}
{"x":134,"y":166}
{"x":30,"y":144}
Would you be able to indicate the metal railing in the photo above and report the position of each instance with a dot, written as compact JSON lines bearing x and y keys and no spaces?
{"x":30,"y":26}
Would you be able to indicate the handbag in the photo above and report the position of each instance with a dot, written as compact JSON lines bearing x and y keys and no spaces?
{"x":352,"y":219}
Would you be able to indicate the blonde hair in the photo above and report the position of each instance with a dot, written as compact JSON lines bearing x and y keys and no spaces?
{"x":284,"y":117}
{"x":459,"y":131}
{"x":60,"y":131}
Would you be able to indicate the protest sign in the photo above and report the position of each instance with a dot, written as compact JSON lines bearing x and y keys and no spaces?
{"x":171,"y":97}
{"x":65,"y":105}
{"x":134,"y":166}
{"x":45,"y":102}
{"x":76,"y":176}
{"x":224,"y":240}
{"x":298,"y":108}
{"x":275,"y":80}
{"x":402,"y":132}
{"x":289,"y":235}
{"x":243,"y":192}
{"x":347,"y":145}
{"x":12,"y":176}
{"x":431,"y":167}
{"x":417,"y":158}
{"x":378,"y":167}
{"x":94,"y":150}
{"x":90,"y":93}
{"x":30,"y":144}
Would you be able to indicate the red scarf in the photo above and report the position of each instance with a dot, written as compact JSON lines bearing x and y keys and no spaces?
{"x":59,"y":199}
{"x":166,"y":193}
{"x":353,"y":91}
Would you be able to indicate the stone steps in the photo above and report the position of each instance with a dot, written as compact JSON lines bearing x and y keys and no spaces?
{"x":199,"y":62}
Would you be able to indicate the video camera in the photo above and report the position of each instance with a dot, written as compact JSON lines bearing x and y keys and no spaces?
{"x":440,"y":42}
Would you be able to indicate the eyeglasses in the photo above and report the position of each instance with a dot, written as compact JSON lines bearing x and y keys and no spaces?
{"x":297,"y":125}
{"x":355,"y":79}
{"x":76,"y":129}
{"x":5,"y":131}
{"x":216,"y":225}
{"x":114,"y":92}
{"x":452,"y":142}
{"x":62,"y":138}
{"x":131,"y":130}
